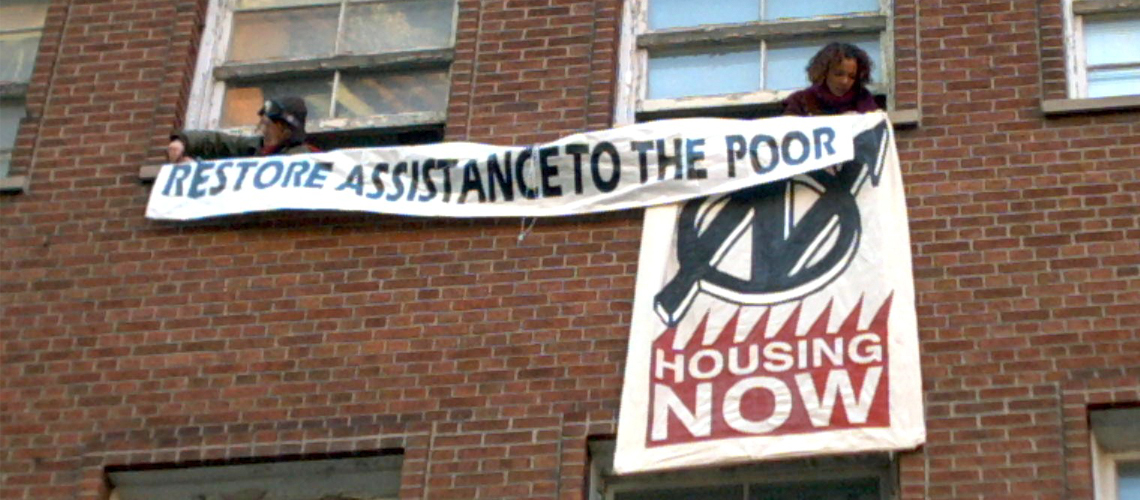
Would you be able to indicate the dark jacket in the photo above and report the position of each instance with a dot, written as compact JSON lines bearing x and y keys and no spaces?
{"x":209,"y":145}
{"x":817,"y":100}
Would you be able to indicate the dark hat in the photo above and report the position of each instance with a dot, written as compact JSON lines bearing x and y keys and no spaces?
{"x":290,"y":110}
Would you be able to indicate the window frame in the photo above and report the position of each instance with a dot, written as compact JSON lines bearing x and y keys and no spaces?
{"x":1104,"y":461}
{"x":18,"y":91}
{"x":1075,"y":13}
{"x":604,"y":484}
{"x":207,"y":95}
{"x":213,"y":479}
{"x":637,"y":40}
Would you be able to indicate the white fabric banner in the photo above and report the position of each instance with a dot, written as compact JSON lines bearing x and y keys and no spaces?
{"x":776,"y":321}
{"x":637,"y":166}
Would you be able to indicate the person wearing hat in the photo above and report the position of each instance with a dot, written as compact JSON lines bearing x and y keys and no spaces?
{"x":282,"y":126}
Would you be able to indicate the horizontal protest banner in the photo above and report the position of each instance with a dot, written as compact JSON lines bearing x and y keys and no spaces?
{"x":636,"y":166}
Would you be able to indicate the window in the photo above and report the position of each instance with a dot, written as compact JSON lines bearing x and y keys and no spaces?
{"x":21,"y":25}
{"x":375,"y":478}
{"x":857,"y":477}
{"x":1116,"y":452}
{"x":359,"y":64}
{"x":745,"y":53}
{"x":1105,"y":49}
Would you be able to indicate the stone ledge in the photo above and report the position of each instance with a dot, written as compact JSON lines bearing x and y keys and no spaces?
{"x":14,"y":184}
{"x":1060,"y":107}
{"x":149,"y":173}
{"x":905,"y":118}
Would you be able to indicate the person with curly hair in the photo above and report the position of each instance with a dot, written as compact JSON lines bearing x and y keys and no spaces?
{"x":839,"y":74}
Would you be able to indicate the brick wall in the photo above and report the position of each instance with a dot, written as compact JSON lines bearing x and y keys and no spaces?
{"x":491,"y":359}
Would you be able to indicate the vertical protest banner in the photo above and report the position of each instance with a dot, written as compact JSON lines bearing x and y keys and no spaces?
{"x":776,"y":321}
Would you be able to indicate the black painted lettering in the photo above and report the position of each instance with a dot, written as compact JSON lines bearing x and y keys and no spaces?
{"x":378,"y":181}
{"x":547,"y":170}
{"x":317,"y":175}
{"x":786,"y":147}
{"x":753,"y":150}
{"x":221,"y":178}
{"x":643,"y":148}
{"x":823,"y":138}
{"x":274,"y":167}
{"x":472,"y":181}
{"x":605,"y":185}
{"x":200,"y":179}
{"x":520,"y":164}
{"x":577,"y":151}
{"x":244,"y":166}
{"x":178,"y":175}
{"x":354,"y":181}
{"x":398,"y":170}
{"x":498,"y":176}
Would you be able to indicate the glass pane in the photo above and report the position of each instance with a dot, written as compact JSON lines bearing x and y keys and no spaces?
{"x":780,"y":9}
{"x":281,"y":34}
{"x":22,"y":14}
{"x":18,"y":55}
{"x":683,"y":75}
{"x":244,"y":100}
{"x":674,"y":13}
{"x":843,"y":489}
{"x":1128,"y":480}
{"x":1112,"y":42}
{"x":734,"y":492}
{"x":1113,"y":82}
{"x":787,"y":64}
{"x":374,"y":94}
{"x":393,"y":26}
{"x":256,"y":4}
{"x":11,"y":111}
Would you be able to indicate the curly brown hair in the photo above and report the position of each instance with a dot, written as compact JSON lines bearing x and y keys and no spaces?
{"x":835,"y":53}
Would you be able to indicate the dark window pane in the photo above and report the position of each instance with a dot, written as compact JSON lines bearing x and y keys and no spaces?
{"x":735,"y":492}
{"x":839,"y":489}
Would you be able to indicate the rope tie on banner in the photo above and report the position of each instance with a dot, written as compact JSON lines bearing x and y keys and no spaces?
{"x":531,"y":178}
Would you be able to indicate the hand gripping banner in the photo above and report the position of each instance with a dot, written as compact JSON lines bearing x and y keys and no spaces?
{"x":637,"y":166}
{"x":776,"y":321}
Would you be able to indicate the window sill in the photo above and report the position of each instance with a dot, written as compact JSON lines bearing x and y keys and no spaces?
{"x":1061,"y":107}
{"x":148,"y":173}
{"x":905,"y":118}
{"x":14,"y":184}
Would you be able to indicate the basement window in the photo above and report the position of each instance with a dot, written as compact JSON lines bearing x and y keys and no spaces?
{"x":372,"y":478}
{"x":854,"y":477}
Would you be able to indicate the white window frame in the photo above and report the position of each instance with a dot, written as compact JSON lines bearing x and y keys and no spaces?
{"x":1075,"y":13}
{"x":637,"y":40}
{"x":208,"y":89}
{"x":1105,"y":462}
{"x":604,"y":484}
